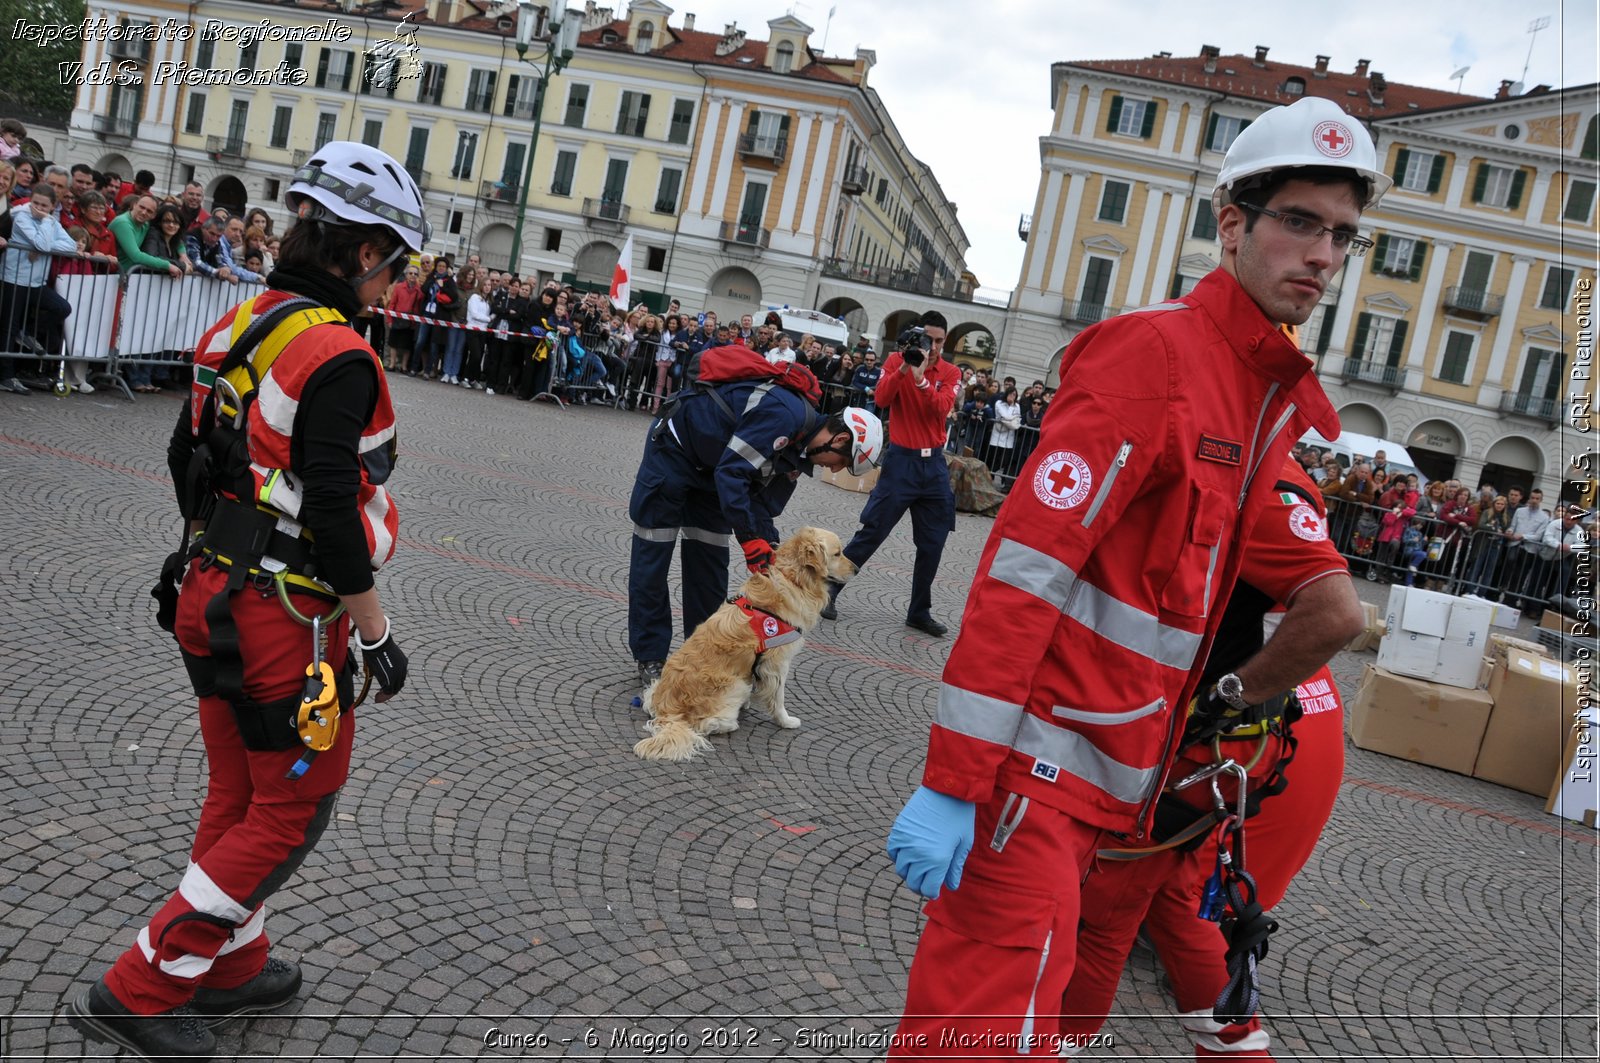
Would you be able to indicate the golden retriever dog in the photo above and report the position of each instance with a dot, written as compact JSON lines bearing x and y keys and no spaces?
{"x":718,"y":670}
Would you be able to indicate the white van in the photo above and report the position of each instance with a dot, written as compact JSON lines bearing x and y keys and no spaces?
{"x":798,"y":323}
{"x":1352,"y":445}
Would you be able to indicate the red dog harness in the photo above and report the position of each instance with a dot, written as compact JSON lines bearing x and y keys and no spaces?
{"x":770,"y":631}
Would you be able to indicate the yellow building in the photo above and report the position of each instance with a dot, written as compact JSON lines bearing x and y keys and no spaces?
{"x":745,"y":169}
{"x":1464,"y":334}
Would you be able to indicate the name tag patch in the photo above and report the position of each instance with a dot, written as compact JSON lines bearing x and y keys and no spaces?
{"x":1223,"y":451}
{"x":1043,"y":769}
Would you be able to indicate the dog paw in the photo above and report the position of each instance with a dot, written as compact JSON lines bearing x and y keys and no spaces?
{"x":788,"y":722}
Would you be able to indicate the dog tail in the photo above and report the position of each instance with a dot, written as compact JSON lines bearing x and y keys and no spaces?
{"x":672,"y":740}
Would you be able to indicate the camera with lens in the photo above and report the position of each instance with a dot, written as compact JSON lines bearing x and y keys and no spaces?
{"x":914,"y":345}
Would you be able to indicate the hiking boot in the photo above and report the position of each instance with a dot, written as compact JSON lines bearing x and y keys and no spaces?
{"x":649,"y":672}
{"x":175,"y":1034}
{"x":270,"y":990}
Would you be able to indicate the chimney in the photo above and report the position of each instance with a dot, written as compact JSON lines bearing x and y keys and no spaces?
{"x":1261,"y":55}
{"x":1504,"y":91}
{"x":1322,"y":66}
{"x":688,"y":22}
{"x":1163,"y":55}
{"x":1375,"y":89}
{"x":732,"y":39}
{"x":1361,"y":67}
{"x":1209,"y":53}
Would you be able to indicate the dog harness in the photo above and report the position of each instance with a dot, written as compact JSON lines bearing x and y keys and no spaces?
{"x":770,"y":631}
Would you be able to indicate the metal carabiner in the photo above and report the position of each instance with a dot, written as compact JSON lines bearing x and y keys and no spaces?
{"x":281,"y":580}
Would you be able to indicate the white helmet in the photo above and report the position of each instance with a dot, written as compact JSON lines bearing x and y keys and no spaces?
{"x":866,"y":438}
{"x":359,"y":185}
{"x":1309,"y":132}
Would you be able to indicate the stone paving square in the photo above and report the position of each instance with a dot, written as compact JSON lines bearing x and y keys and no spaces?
{"x":505,"y":880}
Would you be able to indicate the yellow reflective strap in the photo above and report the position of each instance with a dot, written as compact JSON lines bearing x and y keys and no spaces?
{"x":271,"y":481}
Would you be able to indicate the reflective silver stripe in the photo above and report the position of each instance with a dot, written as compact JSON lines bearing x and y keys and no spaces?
{"x":1079,"y":757}
{"x":1033,"y":571}
{"x":1050,"y":581}
{"x":785,"y":638}
{"x":747,"y":452}
{"x":977,"y":716}
{"x":1105,"y":485}
{"x":656,"y":535}
{"x":1211,"y":569}
{"x":1025,"y":1035}
{"x":756,"y":396}
{"x":1108,"y":719}
{"x":1133,"y":629}
{"x":711,"y":538}
{"x":1159,"y":307}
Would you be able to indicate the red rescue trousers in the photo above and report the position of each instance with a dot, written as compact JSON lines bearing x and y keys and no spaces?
{"x":256,"y":826}
{"x":994,"y":959}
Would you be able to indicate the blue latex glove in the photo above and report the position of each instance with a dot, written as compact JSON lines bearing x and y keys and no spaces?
{"x":930,"y":840}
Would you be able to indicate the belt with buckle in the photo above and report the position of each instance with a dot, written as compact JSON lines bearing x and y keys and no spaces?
{"x":921,"y":452}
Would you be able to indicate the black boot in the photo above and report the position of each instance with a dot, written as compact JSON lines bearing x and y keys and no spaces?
{"x":175,"y":1034}
{"x":270,"y":990}
{"x":828,"y":611}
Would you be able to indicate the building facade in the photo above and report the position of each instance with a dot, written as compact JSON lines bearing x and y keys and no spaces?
{"x":1464,"y":334}
{"x":750,"y":172}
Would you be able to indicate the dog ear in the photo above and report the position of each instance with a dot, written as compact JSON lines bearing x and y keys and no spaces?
{"x":815,"y":555}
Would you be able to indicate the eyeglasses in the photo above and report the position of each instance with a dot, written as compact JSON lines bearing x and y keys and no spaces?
{"x":1346,"y":241}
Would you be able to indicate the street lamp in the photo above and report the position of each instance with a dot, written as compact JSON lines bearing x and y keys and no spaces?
{"x":556,"y":28}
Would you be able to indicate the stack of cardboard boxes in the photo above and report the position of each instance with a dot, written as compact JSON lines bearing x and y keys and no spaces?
{"x":1448,"y":694}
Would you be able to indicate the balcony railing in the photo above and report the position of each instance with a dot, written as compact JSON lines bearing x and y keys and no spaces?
{"x":1082,"y":311}
{"x":519,"y":109}
{"x":115,"y":127}
{"x":1024,"y":227}
{"x":855,"y":180}
{"x":1389,"y":376}
{"x":757,"y":146}
{"x":1535,"y":406}
{"x":903,"y":280}
{"x":137,"y":49}
{"x":480,"y":101}
{"x":501,"y":193}
{"x":229,"y":147}
{"x":1473,"y":301}
{"x":747,"y":234}
{"x":610,"y":211}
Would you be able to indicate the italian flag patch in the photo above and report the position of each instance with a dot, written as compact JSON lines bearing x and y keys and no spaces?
{"x":1289,"y":498}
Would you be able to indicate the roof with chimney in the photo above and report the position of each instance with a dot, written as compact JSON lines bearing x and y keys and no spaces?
{"x":731,"y":48}
{"x":1362,"y":92}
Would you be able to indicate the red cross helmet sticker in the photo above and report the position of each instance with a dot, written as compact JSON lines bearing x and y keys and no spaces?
{"x":1333,"y":139}
{"x":1063,"y":480}
{"x":1306,"y":524}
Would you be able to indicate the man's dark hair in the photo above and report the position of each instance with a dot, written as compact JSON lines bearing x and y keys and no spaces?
{"x":934,"y":318}
{"x":314,"y":244}
{"x":1258,"y":191}
{"x":144,"y":178}
{"x":79,"y":167}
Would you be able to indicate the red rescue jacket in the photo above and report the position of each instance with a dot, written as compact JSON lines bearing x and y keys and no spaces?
{"x":1100,"y":586}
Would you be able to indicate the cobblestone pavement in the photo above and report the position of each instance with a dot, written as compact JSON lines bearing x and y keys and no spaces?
{"x":505,"y":880}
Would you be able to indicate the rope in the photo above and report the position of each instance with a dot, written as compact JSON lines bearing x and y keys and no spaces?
{"x":1246,"y":932}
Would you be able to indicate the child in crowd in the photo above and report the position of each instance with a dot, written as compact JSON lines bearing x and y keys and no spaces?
{"x":11,"y":134}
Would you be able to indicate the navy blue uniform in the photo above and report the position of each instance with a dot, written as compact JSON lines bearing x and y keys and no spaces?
{"x":707,"y":474}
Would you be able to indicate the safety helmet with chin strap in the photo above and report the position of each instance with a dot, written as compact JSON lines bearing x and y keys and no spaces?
{"x":1309,"y":132}
{"x":866,"y":440}
{"x":346,"y":183}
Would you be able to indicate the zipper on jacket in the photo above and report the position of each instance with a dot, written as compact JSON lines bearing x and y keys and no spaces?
{"x":1140,"y":823}
{"x":1255,"y":440}
{"x":1111,"y":478}
{"x":1008,"y":823}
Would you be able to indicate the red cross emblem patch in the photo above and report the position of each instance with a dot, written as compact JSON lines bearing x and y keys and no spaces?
{"x":1306,"y":524}
{"x":1333,"y":139}
{"x":1062,"y":480}
{"x":770,"y":626}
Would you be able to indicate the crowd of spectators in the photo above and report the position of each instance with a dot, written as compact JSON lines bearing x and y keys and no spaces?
{"x":1442,"y":535}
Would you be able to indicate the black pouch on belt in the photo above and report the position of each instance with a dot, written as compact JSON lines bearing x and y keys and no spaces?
{"x":265,"y":727}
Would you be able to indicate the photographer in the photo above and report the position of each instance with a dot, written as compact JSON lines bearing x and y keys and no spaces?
{"x":917,"y":390}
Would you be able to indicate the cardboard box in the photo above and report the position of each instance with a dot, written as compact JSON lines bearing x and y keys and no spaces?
{"x":1437,"y":637}
{"x":1576,"y":793}
{"x":1554,"y":621}
{"x":1522,"y":744}
{"x":1504,"y":615}
{"x":843,"y":478}
{"x":1502,"y":645}
{"x":1426,"y":723}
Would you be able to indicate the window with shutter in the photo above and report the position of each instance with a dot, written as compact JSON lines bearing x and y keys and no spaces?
{"x":1131,"y":118}
{"x":1418,"y":253}
{"x":1205,"y":221}
{"x":1397,"y":342}
{"x":1457,"y":356}
{"x":1414,"y":170}
{"x":577,"y":105}
{"x":1222,"y":130}
{"x":1496,"y":185}
{"x":1557,"y":287}
{"x":561,"y":182}
{"x":1580,"y":201}
{"x":1114,"y":202}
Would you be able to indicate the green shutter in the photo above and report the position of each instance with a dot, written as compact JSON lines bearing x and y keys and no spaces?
{"x":1436,"y":175}
{"x":1379,"y":251}
{"x":1363,"y":326}
{"x":1397,"y":346}
{"x":1326,"y":334}
{"x":1400,"y":162}
{"x":1519,"y":180}
{"x":1211,"y":131}
{"x":1418,"y":252}
{"x":1580,"y":198}
{"x":322,"y":67}
{"x":1480,"y":182}
{"x":755,"y":120}
{"x":1116,"y":113}
{"x":1591,"y":146}
{"x":1149,"y":120}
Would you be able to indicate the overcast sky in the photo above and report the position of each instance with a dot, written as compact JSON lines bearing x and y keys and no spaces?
{"x":968,"y":84}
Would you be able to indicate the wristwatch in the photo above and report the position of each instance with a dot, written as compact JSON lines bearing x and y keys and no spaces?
{"x":1231,"y":690}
